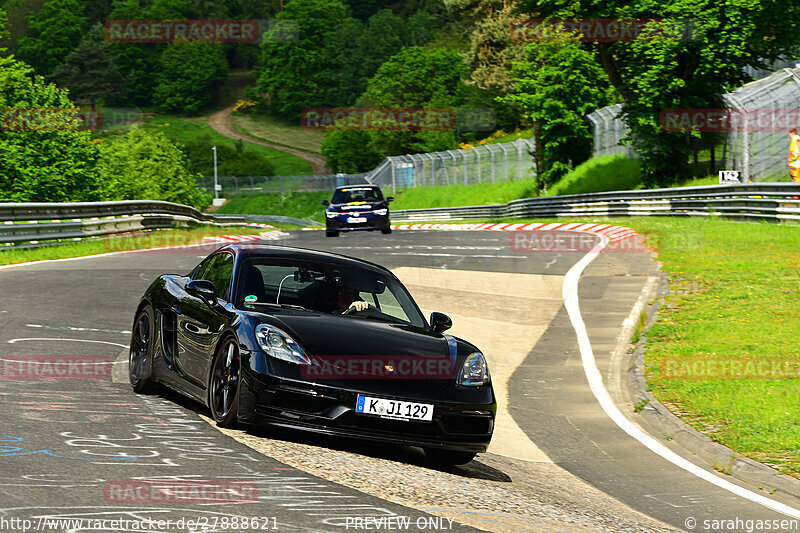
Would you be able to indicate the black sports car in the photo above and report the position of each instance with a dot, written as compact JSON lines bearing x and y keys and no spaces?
{"x":357,"y":207}
{"x":315,"y":341}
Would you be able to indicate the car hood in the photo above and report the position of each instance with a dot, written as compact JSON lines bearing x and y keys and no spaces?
{"x":335,"y":335}
{"x":356,"y":206}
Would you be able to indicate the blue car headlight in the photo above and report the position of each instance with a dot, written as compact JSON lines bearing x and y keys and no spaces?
{"x":332,"y":214}
{"x":279,"y":345}
{"x":474,"y":372}
{"x":381,"y":212}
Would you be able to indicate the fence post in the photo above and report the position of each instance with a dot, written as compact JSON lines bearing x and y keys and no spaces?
{"x":394,"y":177}
{"x":491,"y":152}
{"x":478,"y":157}
{"x":466,"y":170}
{"x":519,"y":159}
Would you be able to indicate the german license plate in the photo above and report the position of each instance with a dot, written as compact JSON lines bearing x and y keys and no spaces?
{"x":356,"y":220}
{"x":396,"y":409}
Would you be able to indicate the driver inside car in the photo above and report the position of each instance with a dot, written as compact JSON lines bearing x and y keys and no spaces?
{"x":349,"y":299}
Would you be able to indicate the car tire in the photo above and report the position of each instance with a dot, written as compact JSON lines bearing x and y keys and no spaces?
{"x":448,"y":457}
{"x":140,"y":358}
{"x":386,"y":231}
{"x":331,"y":233}
{"x":223,"y":387}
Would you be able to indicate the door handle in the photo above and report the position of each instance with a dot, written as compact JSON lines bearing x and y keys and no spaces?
{"x":193,"y":328}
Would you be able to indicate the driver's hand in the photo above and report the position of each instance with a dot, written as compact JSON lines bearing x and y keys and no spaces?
{"x":359,"y":305}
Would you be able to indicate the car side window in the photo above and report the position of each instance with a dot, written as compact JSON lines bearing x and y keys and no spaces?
{"x":219,"y":272}
{"x":201,"y":269}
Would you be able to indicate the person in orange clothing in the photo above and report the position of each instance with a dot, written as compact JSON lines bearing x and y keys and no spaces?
{"x":794,"y":155}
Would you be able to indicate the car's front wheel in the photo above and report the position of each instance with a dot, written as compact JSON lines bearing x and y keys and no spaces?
{"x":140,"y":360}
{"x":447,"y":457}
{"x":386,"y":231}
{"x":223,"y":394}
{"x":331,"y":233}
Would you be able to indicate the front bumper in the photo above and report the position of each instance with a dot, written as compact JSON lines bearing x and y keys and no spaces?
{"x":373,"y":222}
{"x":331,"y":410}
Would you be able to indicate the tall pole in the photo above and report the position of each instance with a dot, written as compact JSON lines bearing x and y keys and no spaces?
{"x":216,"y":187}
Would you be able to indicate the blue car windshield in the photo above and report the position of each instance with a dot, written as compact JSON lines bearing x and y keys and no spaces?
{"x":357,"y":194}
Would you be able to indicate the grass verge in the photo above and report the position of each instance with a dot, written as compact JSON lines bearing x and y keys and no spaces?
{"x":186,"y":129}
{"x":277,"y":132}
{"x":604,"y":173}
{"x":304,"y":205}
{"x":137,"y":241}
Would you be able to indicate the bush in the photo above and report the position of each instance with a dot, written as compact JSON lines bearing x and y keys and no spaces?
{"x":142,"y":165}
{"x":604,"y":173}
{"x":231,"y":161}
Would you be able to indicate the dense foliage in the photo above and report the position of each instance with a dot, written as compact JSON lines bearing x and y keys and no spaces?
{"x":441,"y":55}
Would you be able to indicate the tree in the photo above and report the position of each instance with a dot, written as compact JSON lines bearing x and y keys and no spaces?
{"x":89,"y":71}
{"x":136,"y":62}
{"x":557,"y":85}
{"x":349,"y":152}
{"x":141,"y":165}
{"x":189,"y":76}
{"x":53,"y":32}
{"x":669,"y":67}
{"x":417,"y":78}
{"x":44,"y":156}
{"x":291,"y":69}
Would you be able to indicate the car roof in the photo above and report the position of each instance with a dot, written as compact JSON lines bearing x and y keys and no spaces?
{"x":247,"y":250}
{"x":358,"y":185}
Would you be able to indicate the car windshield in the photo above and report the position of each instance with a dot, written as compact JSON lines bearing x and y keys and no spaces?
{"x":357,"y":194}
{"x":324,"y":287}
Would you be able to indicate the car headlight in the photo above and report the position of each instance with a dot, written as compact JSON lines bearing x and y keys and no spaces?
{"x":474,"y":372}
{"x":279,"y":345}
{"x":380,"y":212}
{"x":331,"y":214}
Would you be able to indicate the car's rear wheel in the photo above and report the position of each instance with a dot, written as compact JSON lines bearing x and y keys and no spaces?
{"x":223,"y":394}
{"x":386,"y":231}
{"x":331,"y":233}
{"x":140,"y":360}
{"x":447,"y":457}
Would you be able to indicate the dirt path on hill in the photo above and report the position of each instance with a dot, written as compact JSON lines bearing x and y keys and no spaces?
{"x":220,"y":121}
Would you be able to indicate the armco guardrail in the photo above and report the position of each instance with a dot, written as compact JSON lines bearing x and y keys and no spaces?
{"x":34,"y":223}
{"x":773,"y":201}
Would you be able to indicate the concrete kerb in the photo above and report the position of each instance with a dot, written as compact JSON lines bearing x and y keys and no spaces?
{"x":665,"y":423}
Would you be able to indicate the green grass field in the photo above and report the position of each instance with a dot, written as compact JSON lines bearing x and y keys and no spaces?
{"x":724,"y":351}
{"x":304,"y":205}
{"x":187,"y":129}
{"x":275,"y":131}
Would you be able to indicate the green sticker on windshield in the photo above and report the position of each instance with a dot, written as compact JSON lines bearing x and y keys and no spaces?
{"x":251,"y":298}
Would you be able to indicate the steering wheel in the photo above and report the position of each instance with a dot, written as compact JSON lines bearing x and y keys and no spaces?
{"x":371,"y":310}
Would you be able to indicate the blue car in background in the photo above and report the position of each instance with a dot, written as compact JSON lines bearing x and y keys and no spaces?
{"x":357,"y":207}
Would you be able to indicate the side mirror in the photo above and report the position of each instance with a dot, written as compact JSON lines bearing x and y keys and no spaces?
{"x":440,"y":322}
{"x":204,"y":290}
{"x":389,"y":199}
{"x":325,"y":202}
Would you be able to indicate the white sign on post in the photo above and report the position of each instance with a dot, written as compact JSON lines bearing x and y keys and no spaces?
{"x":729,"y":176}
